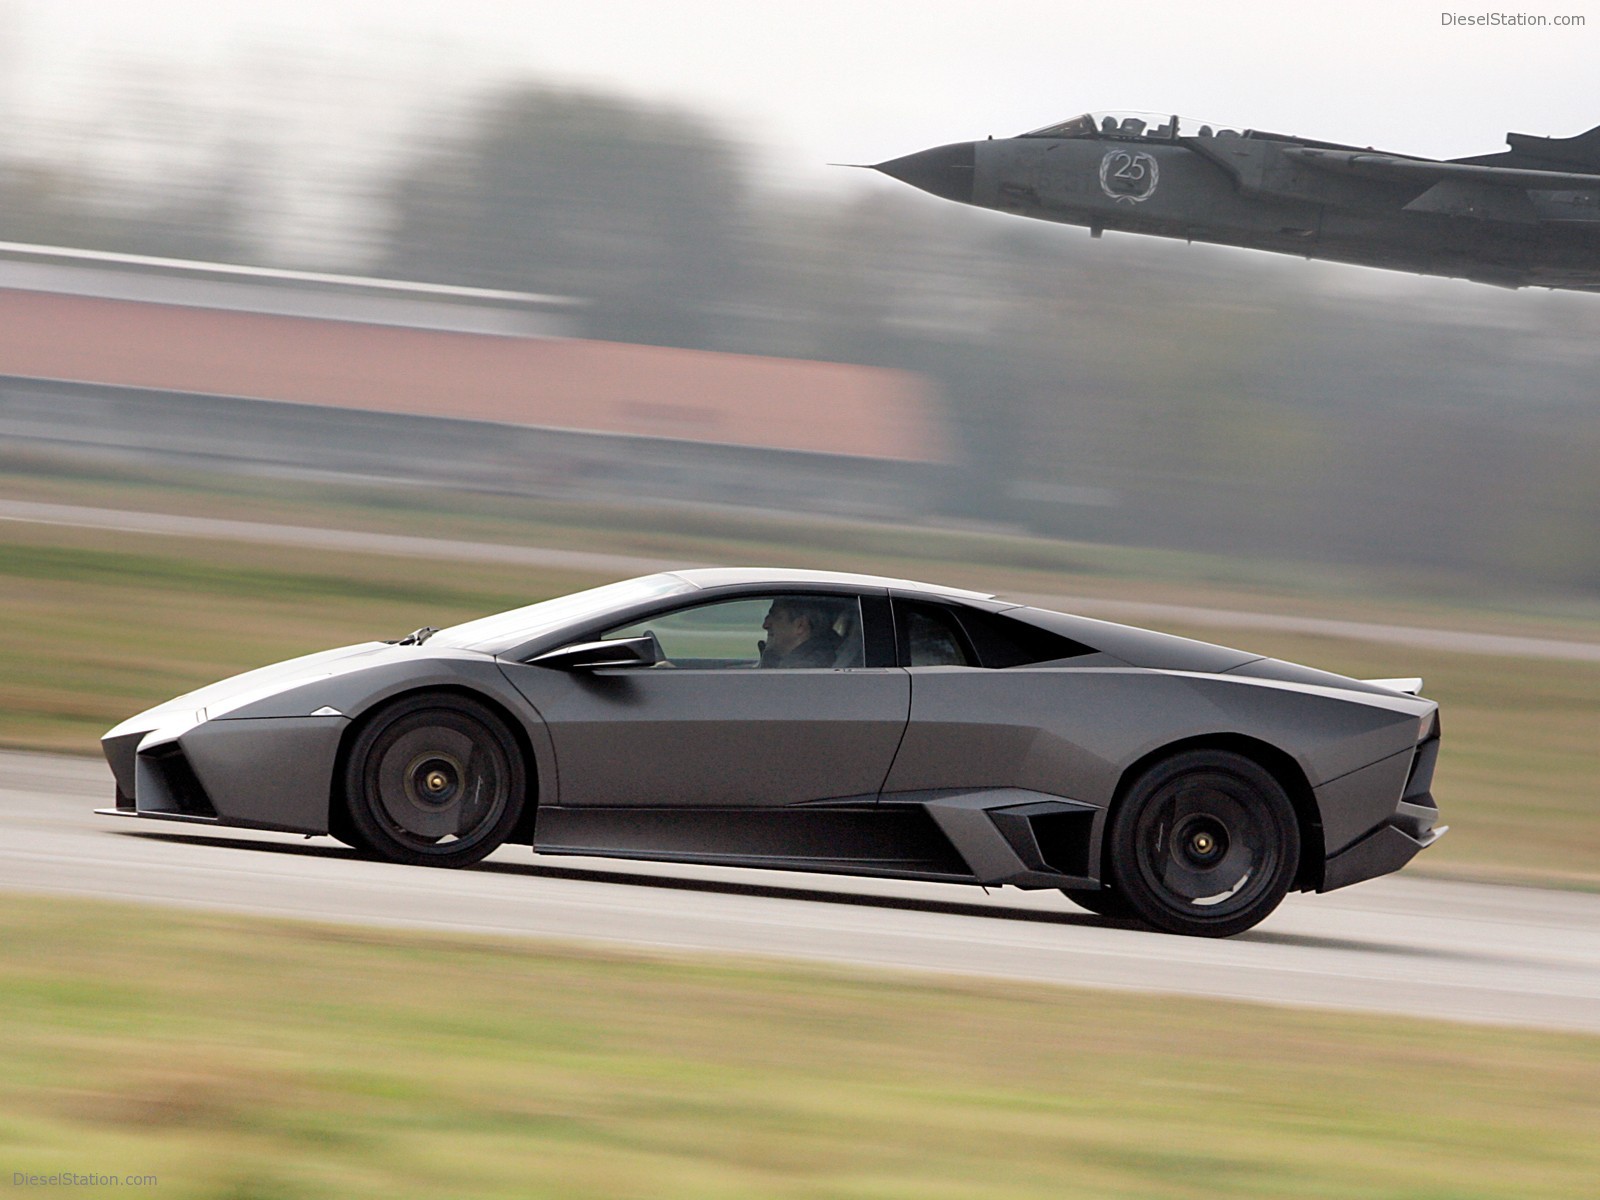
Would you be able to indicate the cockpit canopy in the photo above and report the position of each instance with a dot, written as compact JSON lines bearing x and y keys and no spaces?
{"x":1140,"y":126}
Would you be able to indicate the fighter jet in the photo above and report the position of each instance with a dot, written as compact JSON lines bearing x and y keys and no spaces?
{"x":1529,"y":216}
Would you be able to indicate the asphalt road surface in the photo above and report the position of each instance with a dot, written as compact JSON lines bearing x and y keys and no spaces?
{"x":357,"y":541}
{"x":1409,"y":945}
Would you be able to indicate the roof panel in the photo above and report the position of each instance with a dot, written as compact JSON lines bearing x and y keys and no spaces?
{"x":712,"y":577}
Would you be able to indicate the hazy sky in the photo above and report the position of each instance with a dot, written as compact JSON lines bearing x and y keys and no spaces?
{"x":860,"y":81}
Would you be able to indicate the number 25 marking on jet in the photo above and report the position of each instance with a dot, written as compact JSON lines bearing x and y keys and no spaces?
{"x":1127,"y":175}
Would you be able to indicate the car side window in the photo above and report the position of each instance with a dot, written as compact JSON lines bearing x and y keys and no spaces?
{"x":938,"y":635}
{"x":1000,"y":641}
{"x":931,"y":637}
{"x":778,"y":631}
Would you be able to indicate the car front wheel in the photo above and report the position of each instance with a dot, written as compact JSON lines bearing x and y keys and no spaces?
{"x":1204,"y":843}
{"x":435,"y":781}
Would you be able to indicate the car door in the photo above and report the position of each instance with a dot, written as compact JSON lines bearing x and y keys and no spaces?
{"x":983,"y":716}
{"x":710,"y":726}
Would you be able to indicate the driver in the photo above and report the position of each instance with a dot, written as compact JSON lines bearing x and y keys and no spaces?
{"x":799,"y":633}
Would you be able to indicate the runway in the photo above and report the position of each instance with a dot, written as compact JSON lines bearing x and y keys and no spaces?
{"x":1405,"y":945}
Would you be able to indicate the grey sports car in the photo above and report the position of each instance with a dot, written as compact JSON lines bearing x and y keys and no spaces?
{"x":816,"y":721}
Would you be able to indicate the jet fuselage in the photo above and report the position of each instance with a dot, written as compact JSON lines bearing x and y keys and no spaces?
{"x":1513,"y":227}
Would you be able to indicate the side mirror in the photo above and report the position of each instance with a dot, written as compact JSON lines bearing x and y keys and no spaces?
{"x":589,"y":656}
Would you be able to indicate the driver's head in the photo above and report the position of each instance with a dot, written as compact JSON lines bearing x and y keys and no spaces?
{"x":792,"y":622}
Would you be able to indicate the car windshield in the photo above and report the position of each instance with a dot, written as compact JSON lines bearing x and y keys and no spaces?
{"x":492,"y":635}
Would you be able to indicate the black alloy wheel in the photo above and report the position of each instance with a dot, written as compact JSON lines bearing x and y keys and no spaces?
{"x":435,"y":781}
{"x":1205,"y":843}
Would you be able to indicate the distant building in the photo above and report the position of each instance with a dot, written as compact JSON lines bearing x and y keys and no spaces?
{"x":297,"y":371}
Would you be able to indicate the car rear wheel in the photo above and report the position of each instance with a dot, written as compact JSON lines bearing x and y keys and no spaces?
{"x":1205,"y":843}
{"x":434,"y":780}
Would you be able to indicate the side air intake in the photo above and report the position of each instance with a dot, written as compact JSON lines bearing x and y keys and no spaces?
{"x":166,"y":783}
{"x":1048,"y":835}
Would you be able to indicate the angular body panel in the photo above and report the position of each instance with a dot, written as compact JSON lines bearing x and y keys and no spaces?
{"x":1034,"y":727}
{"x":682,"y":738}
{"x":267,"y":773}
{"x":1355,"y":803}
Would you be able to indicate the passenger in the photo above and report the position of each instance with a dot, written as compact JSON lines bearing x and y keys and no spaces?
{"x":799,"y":633}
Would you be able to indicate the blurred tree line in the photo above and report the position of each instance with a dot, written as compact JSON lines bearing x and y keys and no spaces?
{"x":1126,"y":390}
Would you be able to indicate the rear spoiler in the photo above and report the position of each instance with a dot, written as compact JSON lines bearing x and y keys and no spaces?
{"x":1409,"y":687}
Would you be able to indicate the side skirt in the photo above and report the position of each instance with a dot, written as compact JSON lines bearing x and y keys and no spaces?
{"x":213,"y":822}
{"x":898,"y":840}
{"x":995,"y":837}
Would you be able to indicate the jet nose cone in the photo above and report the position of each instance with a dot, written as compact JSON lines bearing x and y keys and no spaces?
{"x":945,"y":170}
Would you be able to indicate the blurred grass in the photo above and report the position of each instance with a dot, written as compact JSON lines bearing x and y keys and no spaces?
{"x":986,"y":558}
{"x":100,"y":625}
{"x":234,"y":1057}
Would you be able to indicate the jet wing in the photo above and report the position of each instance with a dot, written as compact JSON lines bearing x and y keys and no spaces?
{"x":1453,"y":189}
